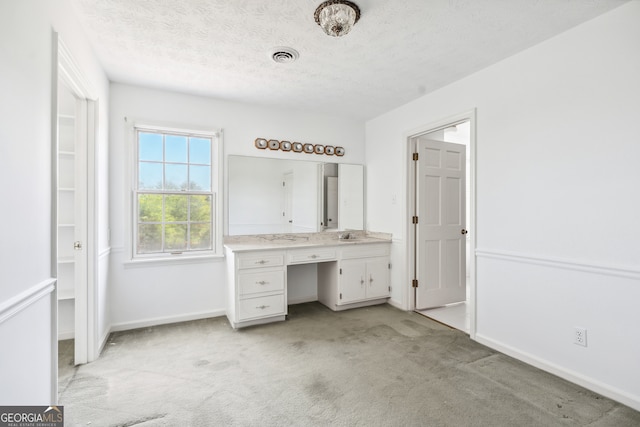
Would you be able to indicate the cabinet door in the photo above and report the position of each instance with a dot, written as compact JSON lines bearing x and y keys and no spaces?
{"x":352,"y":281}
{"x":377,"y":279}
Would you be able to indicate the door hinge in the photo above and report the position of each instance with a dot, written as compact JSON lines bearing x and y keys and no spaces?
{"x":389,"y":288}
{"x":389,"y":266}
{"x":415,"y":219}
{"x":340,"y":295}
{"x":340,"y":271}
{"x":414,"y":283}
{"x":415,"y":157}
{"x":283,"y":183}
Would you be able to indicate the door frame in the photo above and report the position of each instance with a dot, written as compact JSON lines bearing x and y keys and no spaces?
{"x":411,"y":207}
{"x":66,"y":70}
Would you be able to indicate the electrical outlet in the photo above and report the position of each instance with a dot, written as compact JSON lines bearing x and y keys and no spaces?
{"x":580,"y":337}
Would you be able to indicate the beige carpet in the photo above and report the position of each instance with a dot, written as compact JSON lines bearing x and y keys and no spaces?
{"x":375,"y":366}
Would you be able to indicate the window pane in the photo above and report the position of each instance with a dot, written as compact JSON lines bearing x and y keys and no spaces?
{"x":175,"y":148}
{"x":200,"y":151}
{"x":149,"y":238}
{"x":175,"y":208}
{"x":150,"y":176}
{"x":200,"y":178}
{"x":175,"y":177}
{"x":201,"y":208}
{"x":200,"y":236}
{"x":149,"y":207}
{"x":150,"y":146}
{"x":175,"y":237}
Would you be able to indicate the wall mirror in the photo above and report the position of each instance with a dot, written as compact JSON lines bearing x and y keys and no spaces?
{"x":271,"y":196}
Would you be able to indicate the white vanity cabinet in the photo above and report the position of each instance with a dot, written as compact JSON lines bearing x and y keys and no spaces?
{"x":257,"y":287}
{"x":361,"y":277}
{"x":349,"y":275}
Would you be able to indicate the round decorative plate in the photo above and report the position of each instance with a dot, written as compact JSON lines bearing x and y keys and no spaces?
{"x":274,"y":144}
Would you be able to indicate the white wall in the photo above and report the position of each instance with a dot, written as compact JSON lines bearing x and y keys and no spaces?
{"x":153,"y":294}
{"x":557,"y":199}
{"x":25,"y":161}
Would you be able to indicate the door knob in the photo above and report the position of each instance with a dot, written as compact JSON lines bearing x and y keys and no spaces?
{"x":463,"y":231}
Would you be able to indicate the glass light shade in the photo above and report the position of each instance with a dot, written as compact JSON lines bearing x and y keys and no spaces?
{"x":337,"y":17}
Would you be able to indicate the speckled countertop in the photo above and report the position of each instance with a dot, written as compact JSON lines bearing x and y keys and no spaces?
{"x":301,"y":240}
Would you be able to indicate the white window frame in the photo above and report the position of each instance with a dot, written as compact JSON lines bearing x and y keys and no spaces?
{"x":216,"y":136}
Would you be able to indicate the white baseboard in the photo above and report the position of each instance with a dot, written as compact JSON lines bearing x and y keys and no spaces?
{"x":396,"y":304}
{"x":66,"y":335}
{"x":103,"y":341}
{"x":125,"y":326}
{"x":574,"y":377}
{"x":302,"y":300}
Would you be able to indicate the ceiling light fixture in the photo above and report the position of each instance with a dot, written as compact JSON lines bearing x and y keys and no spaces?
{"x":337,"y":17}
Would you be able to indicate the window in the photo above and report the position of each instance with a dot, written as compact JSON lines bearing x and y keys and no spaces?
{"x":175,"y":196}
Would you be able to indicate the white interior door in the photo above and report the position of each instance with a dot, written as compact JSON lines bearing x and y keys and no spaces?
{"x":441,"y":229}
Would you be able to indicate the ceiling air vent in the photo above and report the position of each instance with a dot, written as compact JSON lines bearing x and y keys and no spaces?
{"x":284,"y":55}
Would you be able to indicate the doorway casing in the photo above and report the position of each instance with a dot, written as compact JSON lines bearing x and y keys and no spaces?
{"x":409,"y":296}
{"x":66,"y":70}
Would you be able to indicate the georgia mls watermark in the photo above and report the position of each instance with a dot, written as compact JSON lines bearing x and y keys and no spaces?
{"x":31,"y":416}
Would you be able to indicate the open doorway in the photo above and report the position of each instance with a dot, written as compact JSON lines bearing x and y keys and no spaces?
{"x":74,"y":125}
{"x":442,"y":201}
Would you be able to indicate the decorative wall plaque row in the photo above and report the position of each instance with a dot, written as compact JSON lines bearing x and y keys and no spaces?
{"x":298,"y":147}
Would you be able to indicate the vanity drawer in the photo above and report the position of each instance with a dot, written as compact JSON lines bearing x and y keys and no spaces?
{"x":260,"y":281}
{"x":258,"y":260}
{"x":366,"y":251}
{"x":311,"y":255}
{"x":253,"y":308}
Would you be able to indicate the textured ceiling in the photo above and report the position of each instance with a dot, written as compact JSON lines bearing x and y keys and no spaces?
{"x":398,"y":51}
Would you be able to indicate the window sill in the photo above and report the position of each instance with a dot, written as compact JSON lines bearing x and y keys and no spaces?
{"x":173,"y":260}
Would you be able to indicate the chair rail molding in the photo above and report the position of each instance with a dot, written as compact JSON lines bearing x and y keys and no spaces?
{"x":561,"y":263}
{"x":23,"y":300}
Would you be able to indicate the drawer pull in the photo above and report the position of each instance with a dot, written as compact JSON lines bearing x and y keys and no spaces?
{"x":261,"y":262}
{"x":262,"y":307}
{"x":262,"y":282}
{"x":314,"y":256}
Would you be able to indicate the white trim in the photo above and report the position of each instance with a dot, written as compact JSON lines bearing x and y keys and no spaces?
{"x":185,"y":258}
{"x":103,"y":340}
{"x":565,"y":264}
{"x":409,"y":184}
{"x":396,"y":304}
{"x":105,"y":252}
{"x":66,"y":336}
{"x":20,"y":302}
{"x":130,"y":190}
{"x":569,"y":375}
{"x":70,"y":72}
{"x":302,"y":300}
{"x":156,"y":321}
